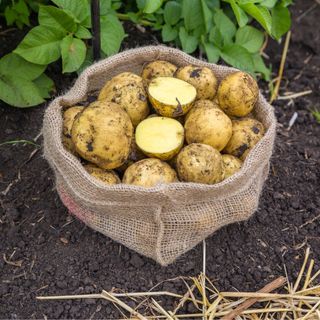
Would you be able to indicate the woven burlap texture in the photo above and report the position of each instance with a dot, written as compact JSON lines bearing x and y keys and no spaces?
{"x":165,"y":221}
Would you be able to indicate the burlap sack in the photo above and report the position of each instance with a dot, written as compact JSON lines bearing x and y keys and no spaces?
{"x":165,"y":221}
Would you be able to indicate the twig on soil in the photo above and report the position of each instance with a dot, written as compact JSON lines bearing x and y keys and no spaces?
{"x":282,"y":63}
{"x":310,"y":221}
{"x":295,"y":95}
{"x":17,"y":263}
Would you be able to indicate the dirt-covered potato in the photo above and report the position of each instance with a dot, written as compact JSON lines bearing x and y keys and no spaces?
{"x":231,"y":165}
{"x":160,"y":137}
{"x":102,"y":134}
{"x":237,"y":94}
{"x":158,"y":68}
{"x":200,"y":163}
{"x":68,"y":119}
{"x":171,"y":97}
{"x":129,"y":94}
{"x":209,"y":125}
{"x":202,"y":78}
{"x":200,"y":104}
{"x":149,"y":172}
{"x":106,"y":176}
{"x":246,"y":133}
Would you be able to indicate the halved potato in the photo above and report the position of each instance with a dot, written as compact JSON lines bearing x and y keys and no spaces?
{"x":160,"y":137}
{"x":106,"y":176}
{"x":171,"y":97}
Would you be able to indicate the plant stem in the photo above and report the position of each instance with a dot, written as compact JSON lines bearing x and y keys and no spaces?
{"x":95,"y":18}
{"x":125,"y":17}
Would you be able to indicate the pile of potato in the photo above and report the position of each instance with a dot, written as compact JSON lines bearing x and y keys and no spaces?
{"x":169,"y":124}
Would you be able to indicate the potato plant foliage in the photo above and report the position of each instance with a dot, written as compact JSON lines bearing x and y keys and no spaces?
{"x":232,"y":31}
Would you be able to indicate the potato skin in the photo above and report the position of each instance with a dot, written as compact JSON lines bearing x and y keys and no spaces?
{"x":202,"y":78}
{"x":246,"y":133}
{"x":209,"y":125}
{"x":237,"y":94}
{"x":158,"y":68}
{"x":102,"y":134}
{"x":231,"y":165}
{"x":200,"y":163}
{"x":202,"y":103}
{"x":149,"y":172}
{"x":106,"y":176}
{"x":128,"y":93}
{"x":68,"y":118}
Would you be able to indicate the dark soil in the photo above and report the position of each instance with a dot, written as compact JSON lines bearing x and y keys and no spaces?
{"x":60,"y":255}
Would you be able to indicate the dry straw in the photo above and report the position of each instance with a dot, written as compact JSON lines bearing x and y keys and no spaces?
{"x":165,"y":221}
{"x":299,"y":300}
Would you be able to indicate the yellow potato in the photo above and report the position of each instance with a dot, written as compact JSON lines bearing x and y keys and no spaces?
{"x":246,"y":133}
{"x":106,"y":176}
{"x":149,"y":172}
{"x":102,"y":134}
{"x":158,"y":68}
{"x":237,"y":94}
{"x":202,"y":78}
{"x":171,"y":97}
{"x":200,"y":163}
{"x":68,"y":119}
{"x":209,"y":125}
{"x":160,"y":137}
{"x":201,"y":104}
{"x":231,"y":165}
{"x":129,"y":94}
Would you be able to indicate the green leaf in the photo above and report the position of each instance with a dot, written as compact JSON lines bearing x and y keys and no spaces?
{"x":238,"y":57}
{"x":112,"y":34}
{"x":45,"y":85}
{"x":240,"y":15}
{"x":79,"y":9}
{"x":213,"y":4}
{"x":152,"y":6}
{"x":225,"y":26}
{"x":172,"y":12}
{"x":73,"y":53}
{"x":105,"y":7}
{"x":261,"y":14}
{"x":41,"y":45}
{"x":19,"y":92}
{"x":88,"y":61}
{"x":10,"y":16}
{"x":11,"y":63}
{"x":141,"y":4}
{"x":212,"y":52}
{"x":50,"y":16}
{"x":249,"y":38}
{"x":83,"y":33}
{"x":189,"y":43}
{"x":281,"y":21}
{"x":207,"y":16}
{"x":268,"y":3}
{"x":215,"y":37}
{"x":192,"y":14}
{"x":168,"y":33}
{"x":286,"y":3}
{"x":260,"y":67}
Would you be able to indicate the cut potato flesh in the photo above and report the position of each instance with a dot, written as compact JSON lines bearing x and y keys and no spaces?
{"x":171,"y":97}
{"x":160,"y":137}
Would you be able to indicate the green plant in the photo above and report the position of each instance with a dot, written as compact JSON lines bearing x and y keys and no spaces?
{"x":316,"y":114}
{"x":230,"y":30}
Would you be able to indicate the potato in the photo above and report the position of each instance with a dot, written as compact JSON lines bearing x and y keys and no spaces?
{"x":68,"y":119}
{"x":237,"y":94}
{"x":158,"y":68}
{"x":200,"y":163}
{"x":149,"y":172}
{"x":246,"y":133}
{"x":202,"y":103}
{"x":102,"y":134}
{"x":202,"y":78}
{"x":128,"y":93}
{"x":209,"y":125}
{"x":106,"y":176}
{"x":160,"y":137}
{"x":171,"y":97}
{"x":231,"y":165}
